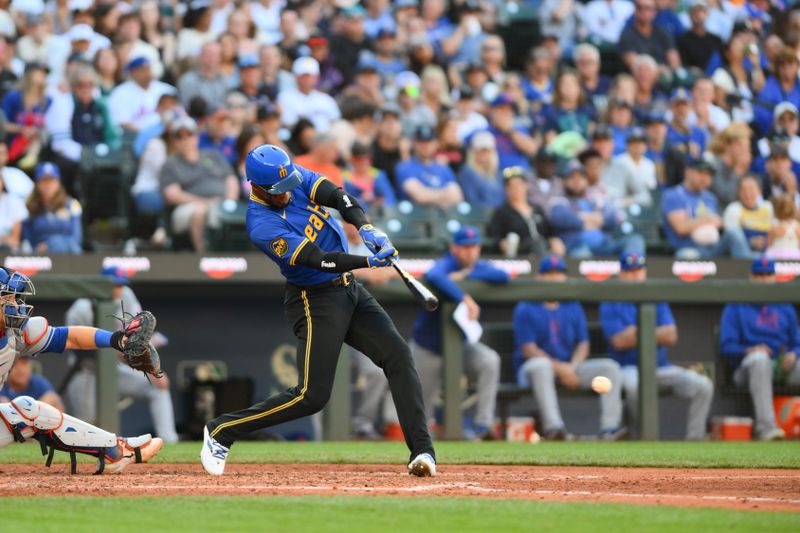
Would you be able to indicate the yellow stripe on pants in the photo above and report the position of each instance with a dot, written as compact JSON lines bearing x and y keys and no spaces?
{"x":305,"y":379}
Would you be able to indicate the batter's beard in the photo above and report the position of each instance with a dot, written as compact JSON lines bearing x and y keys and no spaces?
{"x":279,"y":200}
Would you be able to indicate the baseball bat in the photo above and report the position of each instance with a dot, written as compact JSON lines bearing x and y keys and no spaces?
{"x":420,"y":291}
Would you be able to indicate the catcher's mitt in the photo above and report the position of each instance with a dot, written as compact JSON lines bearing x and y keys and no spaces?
{"x":137,"y":350}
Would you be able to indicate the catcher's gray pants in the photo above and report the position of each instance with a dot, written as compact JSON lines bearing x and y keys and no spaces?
{"x":375,"y":394}
{"x":82,"y":397}
{"x":755,"y":373}
{"x":683,"y":383}
{"x":538,"y":374}
{"x":482,"y":365}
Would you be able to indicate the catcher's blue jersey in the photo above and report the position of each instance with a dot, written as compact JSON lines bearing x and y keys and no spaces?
{"x":282,"y":233}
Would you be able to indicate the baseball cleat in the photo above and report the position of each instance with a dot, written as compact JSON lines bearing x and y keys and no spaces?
{"x":132,"y":450}
{"x":772,"y":434}
{"x":213,"y":455}
{"x":423,"y":465}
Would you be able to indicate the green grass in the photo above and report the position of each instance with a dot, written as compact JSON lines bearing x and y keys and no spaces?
{"x":641,"y":454}
{"x":360,"y":513}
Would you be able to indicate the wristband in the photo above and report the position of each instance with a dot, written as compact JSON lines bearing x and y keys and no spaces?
{"x":102,"y":338}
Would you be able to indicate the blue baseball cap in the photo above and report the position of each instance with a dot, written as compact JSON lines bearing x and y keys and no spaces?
{"x":680,"y":95}
{"x":115,"y":274}
{"x":467,"y":236}
{"x":137,"y":62}
{"x":503,"y":99}
{"x":762,"y":265}
{"x":636,"y":135}
{"x":47,"y":169}
{"x":632,"y":261}
{"x":552,"y":263}
{"x":248,"y":61}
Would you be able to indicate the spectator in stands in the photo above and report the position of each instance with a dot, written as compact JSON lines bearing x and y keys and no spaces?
{"x":106,"y":65}
{"x":23,"y":382}
{"x":194,"y":183}
{"x":250,"y":138}
{"x":12,"y":214}
{"x":480,"y":178}
{"x":130,"y":383}
{"x":133,"y":103}
{"x":250,"y":84}
{"x":450,"y":150}
{"x":33,"y":47}
{"x":322,"y":158}
{"x":517,"y":227}
{"x":482,"y":364}
{"x":302,"y":137}
{"x":762,"y":342}
{"x":348,"y":41}
{"x":545,"y":184}
{"x":691,"y":218}
{"x":594,"y":84}
{"x":668,"y":160}
{"x":620,"y":327}
{"x":269,"y":120}
{"x":305,"y":101}
{"x":698,"y":45}
{"x":595,"y":168}
{"x":8,"y":77}
{"x":632,"y":176}
{"x":15,"y":181}
{"x":785,"y":128}
{"x":80,"y":39}
{"x":586,"y":228}
{"x":784,"y":236}
{"x":750,"y":215}
{"x":605,"y":20}
{"x":129,"y":28}
{"x":78,"y":119}
{"x":368,"y":184}
{"x":356,"y":125}
{"x":205,"y":81}
{"x":740,"y":75}
{"x":569,"y":111}
{"x":733,"y":157}
{"x":603,"y":141}
{"x":216,"y":135}
{"x":551,"y":347}
{"x":642,"y":37}
{"x":778,"y":177}
{"x":24,"y":110}
{"x":705,"y":114}
{"x":782,"y":87}
{"x":423,"y":181}
{"x":648,"y":98}
{"x":54,"y":222}
{"x":620,"y":122}
{"x":384,"y":57}
{"x":153,"y":24}
{"x":196,"y":30}
{"x":562,"y":19}
{"x":691,"y":140}
{"x":514,"y":144}
{"x":466,"y":114}
{"x":390,"y":147}
{"x":538,"y":81}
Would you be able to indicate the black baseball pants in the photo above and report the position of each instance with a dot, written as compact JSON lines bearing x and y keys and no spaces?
{"x":323,"y":319}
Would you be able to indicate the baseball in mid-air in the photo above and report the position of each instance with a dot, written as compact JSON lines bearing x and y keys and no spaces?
{"x":601,"y":384}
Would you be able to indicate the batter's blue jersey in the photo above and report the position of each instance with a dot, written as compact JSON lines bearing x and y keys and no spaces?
{"x":282,"y":233}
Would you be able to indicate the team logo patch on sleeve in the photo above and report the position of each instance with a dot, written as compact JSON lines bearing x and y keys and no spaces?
{"x":279,"y":246}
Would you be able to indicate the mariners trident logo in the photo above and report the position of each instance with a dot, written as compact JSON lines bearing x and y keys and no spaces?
{"x":282,"y":172}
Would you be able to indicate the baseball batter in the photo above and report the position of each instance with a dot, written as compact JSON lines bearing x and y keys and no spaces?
{"x":24,"y":418}
{"x":324,"y":305}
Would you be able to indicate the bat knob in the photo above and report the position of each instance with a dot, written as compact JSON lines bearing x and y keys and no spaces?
{"x":432,"y":305}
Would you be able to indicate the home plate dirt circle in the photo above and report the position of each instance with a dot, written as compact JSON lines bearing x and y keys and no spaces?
{"x":728,"y":488}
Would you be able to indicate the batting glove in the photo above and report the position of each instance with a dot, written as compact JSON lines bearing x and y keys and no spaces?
{"x":382,"y":258}
{"x":374,"y":239}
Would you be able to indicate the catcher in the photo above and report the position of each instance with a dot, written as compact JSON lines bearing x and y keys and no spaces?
{"x":25,"y":418}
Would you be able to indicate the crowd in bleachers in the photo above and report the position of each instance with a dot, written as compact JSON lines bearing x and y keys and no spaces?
{"x":665,"y":125}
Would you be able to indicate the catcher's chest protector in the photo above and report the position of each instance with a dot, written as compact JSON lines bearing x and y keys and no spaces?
{"x":8,"y":353}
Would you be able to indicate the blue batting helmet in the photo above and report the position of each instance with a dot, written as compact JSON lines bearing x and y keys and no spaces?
{"x":271,"y":168}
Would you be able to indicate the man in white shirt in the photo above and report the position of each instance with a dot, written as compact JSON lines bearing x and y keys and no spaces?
{"x":605,"y":20}
{"x":704,"y":113}
{"x":80,"y":39}
{"x":306,"y":101}
{"x":133,"y":103}
{"x":632,"y":175}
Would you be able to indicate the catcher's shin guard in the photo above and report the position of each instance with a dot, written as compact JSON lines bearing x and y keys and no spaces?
{"x":27,"y":418}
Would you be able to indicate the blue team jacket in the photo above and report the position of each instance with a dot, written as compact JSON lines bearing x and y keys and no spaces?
{"x":746,"y":325}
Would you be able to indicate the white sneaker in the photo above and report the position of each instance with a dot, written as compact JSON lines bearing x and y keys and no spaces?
{"x":423,"y":465}
{"x":213,"y":455}
{"x":773,"y":434}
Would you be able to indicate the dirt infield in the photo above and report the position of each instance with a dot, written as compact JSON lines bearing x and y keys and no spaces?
{"x":729,"y":488}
